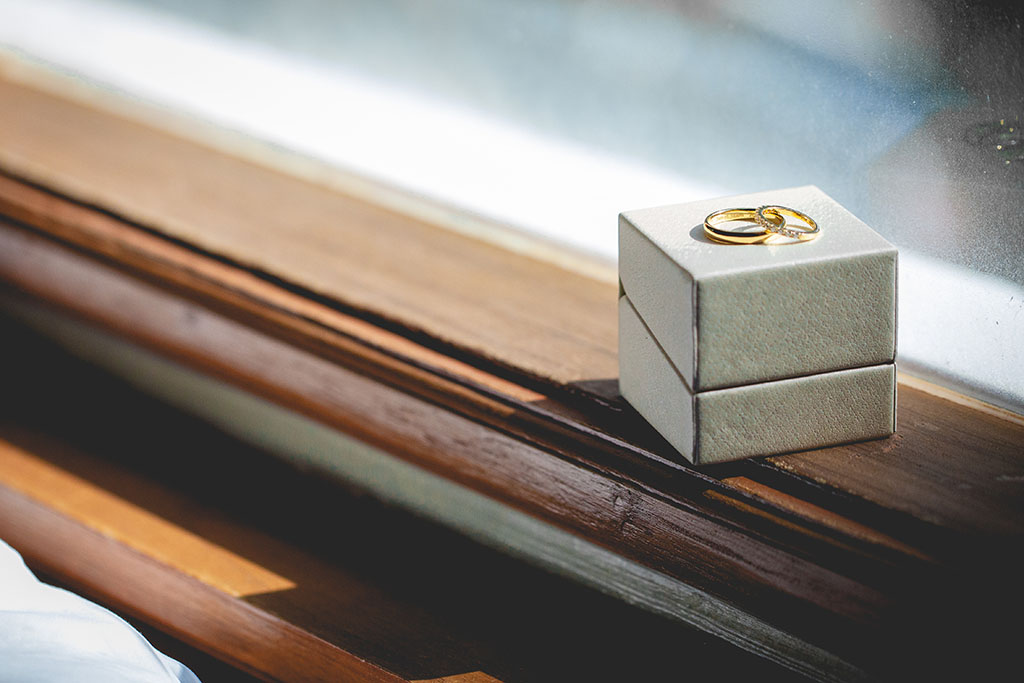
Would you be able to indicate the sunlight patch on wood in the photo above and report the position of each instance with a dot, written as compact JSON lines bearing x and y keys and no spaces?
{"x":133,"y":526}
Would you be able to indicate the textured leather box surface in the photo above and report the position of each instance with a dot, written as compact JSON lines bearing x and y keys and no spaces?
{"x":728,"y":314}
{"x":765,"y":418}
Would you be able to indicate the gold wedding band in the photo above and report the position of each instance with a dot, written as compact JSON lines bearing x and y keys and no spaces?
{"x":770,"y":218}
{"x":766,"y":217}
{"x":717,"y":218}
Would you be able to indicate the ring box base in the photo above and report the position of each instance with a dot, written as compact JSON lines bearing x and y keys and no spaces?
{"x":764,"y":418}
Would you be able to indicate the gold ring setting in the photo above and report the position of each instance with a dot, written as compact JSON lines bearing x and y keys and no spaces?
{"x":771,"y":218}
{"x":766,"y":216}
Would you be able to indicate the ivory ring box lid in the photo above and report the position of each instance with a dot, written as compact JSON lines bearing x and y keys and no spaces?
{"x":731,"y":314}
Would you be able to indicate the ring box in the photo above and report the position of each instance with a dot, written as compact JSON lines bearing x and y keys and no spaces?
{"x":737,"y":350}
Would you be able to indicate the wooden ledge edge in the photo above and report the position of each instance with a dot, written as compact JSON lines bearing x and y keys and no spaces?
{"x":954,"y":396}
{"x":202,"y":616}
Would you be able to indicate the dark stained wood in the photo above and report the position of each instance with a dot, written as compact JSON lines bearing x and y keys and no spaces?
{"x":382,"y":355}
{"x":374,"y":593}
{"x":677,"y":538}
{"x":825,"y":517}
{"x":492,"y":369}
{"x":472,"y":677}
{"x":324,"y":267}
{"x":213,"y":621}
{"x":971,"y":480}
{"x":832,"y":588}
{"x":205,"y":666}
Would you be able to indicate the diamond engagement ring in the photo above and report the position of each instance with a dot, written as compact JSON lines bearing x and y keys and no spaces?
{"x":768,"y":217}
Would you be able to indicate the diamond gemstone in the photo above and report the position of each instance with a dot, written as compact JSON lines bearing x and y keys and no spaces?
{"x":763,"y":222}
{"x":783,"y":229}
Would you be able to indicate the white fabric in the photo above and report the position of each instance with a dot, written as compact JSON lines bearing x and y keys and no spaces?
{"x":50,"y":634}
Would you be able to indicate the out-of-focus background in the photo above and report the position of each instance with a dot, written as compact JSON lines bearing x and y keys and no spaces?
{"x":550,"y":117}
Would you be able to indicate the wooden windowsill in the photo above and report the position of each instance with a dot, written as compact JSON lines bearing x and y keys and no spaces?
{"x":497,"y":371}
{"x":282,"y":573}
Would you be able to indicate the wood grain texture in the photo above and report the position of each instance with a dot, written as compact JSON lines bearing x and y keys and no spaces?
{"x":133,"y":526}
{"x":831,"y":519}
{"x":213,"y":621}
{"x":424,"y":277}
{"x":310,"y":318}
{"x":668,"y":535}
{"x":489,"y":368}
{"x":954,"y":473}
{"x":378,"y":593}
{"x":831,"y":588}
{"x":332,"y":256}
